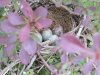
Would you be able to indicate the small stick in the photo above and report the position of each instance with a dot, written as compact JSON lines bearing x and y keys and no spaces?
{"x":5,"y":70}
{"x":22,"y":70}
{"x":65,"y":7}
{"x":44,"y":62}
{"x":31,"y":63}
{"x":80,"y":30}
{"x":72,"y":31}
{"x":43,"y":65}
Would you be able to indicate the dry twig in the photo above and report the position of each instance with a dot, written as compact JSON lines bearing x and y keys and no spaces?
{"x":9,"y":67}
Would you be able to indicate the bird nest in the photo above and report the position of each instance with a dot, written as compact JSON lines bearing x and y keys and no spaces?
{"x":61,"y":18}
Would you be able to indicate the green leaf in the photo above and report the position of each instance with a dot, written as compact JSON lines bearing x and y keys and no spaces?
{"x":44,"y":72}
{"x":2,"y":11}
{"x":1,"y":53}
{"x":29,"y":72}
{"x":2,"y":57}
{"x":16,"y":5}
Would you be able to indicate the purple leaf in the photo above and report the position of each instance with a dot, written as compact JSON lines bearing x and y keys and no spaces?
{"x":41,"y":12}
{"x":77,"y":59}
{"x":64,"y":58}
{"x":78,"y":11}
{"x":27,"y":10}
{"x":53,"y":70}
{"x":7,"y":27}
{"x":3,"y":39}
{"x":70,"y":43}
{"x":24,"y":33}
{"x":9,"y":50}
{"x":96,"y":40}
{"x":96,"y":46}
{"x":15,"y":19}
{"x":4,"y":3}
{"x":98,"y":70}
{"x":93,"y":8}
{"x":12,"y":38}
{"x":86,"y":21}
{"x":87,"y":67}
{"x":30,"y":46}
{"x":24,"y":57}
{"x":43,"y":23}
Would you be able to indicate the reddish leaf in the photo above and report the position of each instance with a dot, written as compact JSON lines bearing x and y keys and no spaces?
{"x":78,"y":11}
{"x":86,"y":21}
{"x":93,"y":8}
{"x":64,"y":58}
{"x":24,"y":33}
{"x":4,"y":3}
{"x":87,"y":67}
{"x":15,"y":19}
{"x":24,"y":57}
{"x":98,"y":70}
{"x":96,"y":39}
{"x":70,"y":43}
{"x":27,"y":10}
{"x":77,"y":59}
{"x":7,"y":27}
{"x":96,"y":46}
{"x":41,"y":12}
{"x":30,"y":46}
{"x":9,"y":49}
{"x":3,"y":39}
{"x":43,"y":23}
{"x":12,"y":38}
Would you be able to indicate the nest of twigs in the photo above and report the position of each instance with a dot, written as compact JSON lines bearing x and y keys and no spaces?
{"x":61,"y":17}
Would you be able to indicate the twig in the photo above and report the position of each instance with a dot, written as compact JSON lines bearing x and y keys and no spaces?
{"x":81,"y":27}
{"x":5,"y":70}
{"x":50,"y":47}
{"x":43,"y":65}
{"x":44,"y":52}
{"x":44,"y":62}
{"x":65,"y":7}
{"x":22,"y":70}
{"x":80,"y":30}
{"x":31,"y":63}
{"x":73,"y":30}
